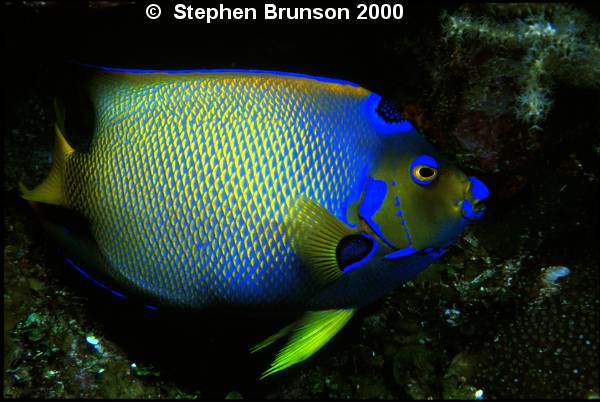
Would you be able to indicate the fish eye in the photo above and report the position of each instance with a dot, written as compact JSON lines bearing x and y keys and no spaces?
{"x":424,"y":170}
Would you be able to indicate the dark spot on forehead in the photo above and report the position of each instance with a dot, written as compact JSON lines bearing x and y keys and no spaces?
{"x":389,"y":112}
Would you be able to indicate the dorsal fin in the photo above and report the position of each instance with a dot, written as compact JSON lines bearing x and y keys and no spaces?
{"x":51,"y":190}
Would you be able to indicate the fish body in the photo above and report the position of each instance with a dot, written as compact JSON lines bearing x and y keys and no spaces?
{"x":195,"y":174}
{"x":259,"y":188}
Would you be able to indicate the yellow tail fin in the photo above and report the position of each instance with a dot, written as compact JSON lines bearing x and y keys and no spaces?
{"x":51,"y":190}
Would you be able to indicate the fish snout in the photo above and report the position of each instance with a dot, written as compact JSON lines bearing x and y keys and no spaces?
{"x":472,"y":206}
{"x":479,"y":191}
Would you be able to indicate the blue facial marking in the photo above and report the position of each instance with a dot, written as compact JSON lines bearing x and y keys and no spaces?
{"x":363,"y":260}
{"x":402,"y":220}
{"x":375,"y":193}
{"x":479,"y":190}
{"x":354,"y":195}
{"x":406,"y":251}
{"x":403,"y":252}
{"x":382,"y":126}
{"x":425,"y":160}
{"x":467,"y":208}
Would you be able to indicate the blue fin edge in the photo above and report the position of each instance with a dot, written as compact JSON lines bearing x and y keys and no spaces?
{"x":100,"y":284}
{"x":222,"y":70}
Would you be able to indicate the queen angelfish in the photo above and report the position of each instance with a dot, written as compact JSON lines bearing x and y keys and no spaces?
{"x":259,"y":188}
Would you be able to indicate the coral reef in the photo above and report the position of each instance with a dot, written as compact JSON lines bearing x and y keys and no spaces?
{"x":52,"y":348}
{"x":533,"y":45}
{"x":499,"y":70}
{"x":551,"y":348}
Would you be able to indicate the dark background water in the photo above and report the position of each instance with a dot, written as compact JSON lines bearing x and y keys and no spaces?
{"x":122,"y":36}
{"x":531,"y":222}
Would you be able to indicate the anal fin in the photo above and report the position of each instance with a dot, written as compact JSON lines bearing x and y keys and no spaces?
{"x":279,"y":334}
{"x":309,"y":334}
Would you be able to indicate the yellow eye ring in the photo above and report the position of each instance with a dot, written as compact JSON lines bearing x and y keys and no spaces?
{"x":424,"y":173}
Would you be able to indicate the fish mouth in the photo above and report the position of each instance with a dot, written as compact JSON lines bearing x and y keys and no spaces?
{"x":472,"y":207}
{"x":472,"y":210}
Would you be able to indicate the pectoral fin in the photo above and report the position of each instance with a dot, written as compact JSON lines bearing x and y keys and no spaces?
{"x":315,"y":236}
{"x":309,"y":334}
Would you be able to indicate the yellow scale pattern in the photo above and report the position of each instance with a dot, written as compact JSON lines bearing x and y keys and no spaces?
{"x":189,"y":178}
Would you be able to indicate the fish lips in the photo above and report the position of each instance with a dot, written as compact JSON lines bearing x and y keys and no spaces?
{"x":472,"y":211}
